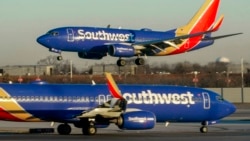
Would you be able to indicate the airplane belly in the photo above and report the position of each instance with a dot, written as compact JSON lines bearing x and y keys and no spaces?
{"x":55,"y":111}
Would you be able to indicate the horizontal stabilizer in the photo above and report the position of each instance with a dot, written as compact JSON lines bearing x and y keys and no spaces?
{"x":222,"y":36}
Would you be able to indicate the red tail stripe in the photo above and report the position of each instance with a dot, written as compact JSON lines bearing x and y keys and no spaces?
{"x":7,"y":116}
{"x":113,"y":91}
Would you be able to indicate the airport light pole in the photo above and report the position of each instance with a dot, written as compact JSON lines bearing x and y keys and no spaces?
{"x":71,"y":71}
{"x":242,"y":80}
{"x":195,"y":79}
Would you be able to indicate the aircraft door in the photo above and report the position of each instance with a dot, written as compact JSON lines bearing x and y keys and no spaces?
{"x":70,"y":33}
{"x":101,"y":99}
{"x":206,"y":100}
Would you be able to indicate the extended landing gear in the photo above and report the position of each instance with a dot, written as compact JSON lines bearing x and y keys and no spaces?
{"x":121,"y":62}
{"x":204,"y":129}
{"x":59,"y":58}
{"x":89,"y":130}
{"x":64,"y":129}
{"x":139,"y":61}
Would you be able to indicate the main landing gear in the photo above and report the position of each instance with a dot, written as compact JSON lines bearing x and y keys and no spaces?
{"x":90,"y":129}
{"x":87,"y":129}
{"x":138,"y":61}
{"x":64,"y":129}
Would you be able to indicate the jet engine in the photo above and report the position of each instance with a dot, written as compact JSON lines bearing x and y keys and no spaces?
{"x":137,"y":120}
{"x":121,"y":50}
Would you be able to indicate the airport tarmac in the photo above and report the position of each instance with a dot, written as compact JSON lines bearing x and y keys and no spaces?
{"x":175,"y":131}
{"x":235,"y":127}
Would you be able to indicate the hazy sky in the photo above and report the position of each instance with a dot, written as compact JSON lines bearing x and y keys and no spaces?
{"x":22,"y":21}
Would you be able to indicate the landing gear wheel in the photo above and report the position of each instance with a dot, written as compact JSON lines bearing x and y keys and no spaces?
{"x":90,"y":130}
{"x":121,"y":62}
{"x":64,"y":129}
{"x":59,"y":58}
{"x":204,"y":129}
{"x":139,"y":61}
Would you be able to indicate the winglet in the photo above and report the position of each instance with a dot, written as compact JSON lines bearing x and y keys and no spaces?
{"x":114,"y":90}
{"x":218,"y":23}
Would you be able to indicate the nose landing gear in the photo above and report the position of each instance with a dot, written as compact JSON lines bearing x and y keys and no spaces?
{"x":204,"y":128}
{"x":59,"y":58}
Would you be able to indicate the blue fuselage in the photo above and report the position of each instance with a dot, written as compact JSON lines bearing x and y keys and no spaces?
{"x":63,"y":103}
{"x":94,"y":43}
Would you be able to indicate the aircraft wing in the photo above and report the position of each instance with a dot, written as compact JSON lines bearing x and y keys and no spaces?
{"x":173,"y":42}
{"x":112,"y":108}
{"x":169,"y":41}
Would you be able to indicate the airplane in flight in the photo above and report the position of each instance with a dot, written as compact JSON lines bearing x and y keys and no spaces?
{"x":97,"y":42}
{"x":130,"y":107}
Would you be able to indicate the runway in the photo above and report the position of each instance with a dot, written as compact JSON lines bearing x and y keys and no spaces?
{"x":175,"y":131}
{"x":235,"y":127}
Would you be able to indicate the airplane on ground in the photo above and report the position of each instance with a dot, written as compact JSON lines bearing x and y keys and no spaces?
{"x":97,"y":42}
{"x":130,"y":107}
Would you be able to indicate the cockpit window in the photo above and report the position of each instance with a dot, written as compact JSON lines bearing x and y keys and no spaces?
{"x":220,"y":98}
{"x":53,"y":33}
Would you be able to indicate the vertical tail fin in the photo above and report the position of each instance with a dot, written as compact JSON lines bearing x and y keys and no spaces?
{"x":203,"y":20}
{"x":113,"y":88}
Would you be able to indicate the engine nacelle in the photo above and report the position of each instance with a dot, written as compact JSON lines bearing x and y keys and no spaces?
{"x":137,"y":120}
{"x":87,"y":55}
{"x":120,"y":50}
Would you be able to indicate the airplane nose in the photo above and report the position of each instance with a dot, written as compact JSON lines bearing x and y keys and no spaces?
{"x":231,"y":108}
{"x":43,"y":40}
{"x":224,"y":109}
{"x":40,"y":40}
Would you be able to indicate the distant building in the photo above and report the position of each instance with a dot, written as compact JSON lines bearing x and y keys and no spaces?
{"x":26,"y":70}
{"x":114,"y":69}
{"x":236,"y":68}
